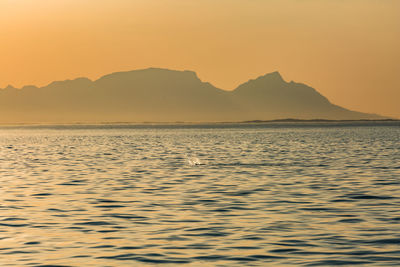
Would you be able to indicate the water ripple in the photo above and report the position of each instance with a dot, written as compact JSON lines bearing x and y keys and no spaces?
{"x":200,"y":195}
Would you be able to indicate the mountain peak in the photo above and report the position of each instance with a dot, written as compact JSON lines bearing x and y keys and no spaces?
{"x":272,"y":80}
{"x":188,"y":73}
{"x":156,"y":73}
{"x":273,"y":76}
{"x":75,"y":81}
{"x":9,"y":87}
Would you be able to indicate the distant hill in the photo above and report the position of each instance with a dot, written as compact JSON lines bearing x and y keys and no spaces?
{"x":161,"y":95}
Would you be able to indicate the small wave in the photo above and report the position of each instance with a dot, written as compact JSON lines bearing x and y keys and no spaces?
{"x":13,"y":225}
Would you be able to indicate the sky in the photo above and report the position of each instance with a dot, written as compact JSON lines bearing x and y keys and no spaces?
{"x":346,"y":49}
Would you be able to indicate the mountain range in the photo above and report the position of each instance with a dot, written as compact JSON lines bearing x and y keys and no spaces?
{"x":162,"y":95}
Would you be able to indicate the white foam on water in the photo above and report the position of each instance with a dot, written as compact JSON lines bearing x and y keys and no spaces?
{"x":193,"y":161}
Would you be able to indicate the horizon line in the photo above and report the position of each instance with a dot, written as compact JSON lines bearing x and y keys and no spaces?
{"x":286,"y":120}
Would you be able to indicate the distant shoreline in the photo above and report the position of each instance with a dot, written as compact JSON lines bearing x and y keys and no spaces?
{"x":318,"y":120}
{"x":248,"y":122}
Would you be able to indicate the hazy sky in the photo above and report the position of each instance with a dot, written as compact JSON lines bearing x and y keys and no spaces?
{"x":349,"y":50}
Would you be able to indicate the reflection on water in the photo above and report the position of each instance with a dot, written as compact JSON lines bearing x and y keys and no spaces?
{"x":228,"y":196}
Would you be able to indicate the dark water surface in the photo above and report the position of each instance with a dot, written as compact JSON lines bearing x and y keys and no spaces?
{"x":200,"y":195}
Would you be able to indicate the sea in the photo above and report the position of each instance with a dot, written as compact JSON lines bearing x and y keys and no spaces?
{"x":246,"y":194}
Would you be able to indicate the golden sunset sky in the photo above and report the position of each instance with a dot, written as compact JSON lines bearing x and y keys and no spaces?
{"x":349,"y":50}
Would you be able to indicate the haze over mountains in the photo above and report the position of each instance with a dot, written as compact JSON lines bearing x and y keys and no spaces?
{"x":161,"y":95}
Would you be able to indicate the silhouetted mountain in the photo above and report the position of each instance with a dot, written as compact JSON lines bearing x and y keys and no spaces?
{"x":161,"y":95}
{"x":270,"y":97}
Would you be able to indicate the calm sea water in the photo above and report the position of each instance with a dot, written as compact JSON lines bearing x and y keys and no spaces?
{"x":200,"y":195}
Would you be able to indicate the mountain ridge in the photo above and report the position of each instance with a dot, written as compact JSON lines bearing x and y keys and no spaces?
{"x":157,"y":94}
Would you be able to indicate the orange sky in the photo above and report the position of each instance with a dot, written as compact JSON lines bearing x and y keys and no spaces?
{"x":347,"y":49}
